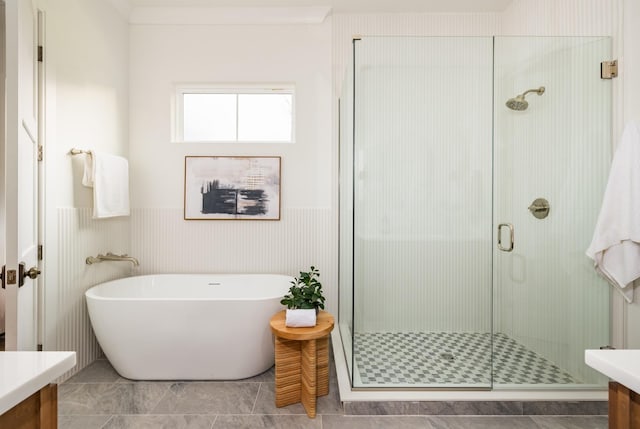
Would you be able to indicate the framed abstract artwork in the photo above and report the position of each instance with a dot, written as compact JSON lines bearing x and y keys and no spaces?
{"x":232,"y":188}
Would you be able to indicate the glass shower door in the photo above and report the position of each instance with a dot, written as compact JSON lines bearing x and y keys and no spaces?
{"x":421,"y":183}
{"x":551,"y":162}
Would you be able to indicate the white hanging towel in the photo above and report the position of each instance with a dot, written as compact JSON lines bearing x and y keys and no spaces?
{"x":108,"y":175}
{"x":615,"y":247}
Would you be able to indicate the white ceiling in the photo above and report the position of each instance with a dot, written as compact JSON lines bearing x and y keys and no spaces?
{"x":340,"y":6}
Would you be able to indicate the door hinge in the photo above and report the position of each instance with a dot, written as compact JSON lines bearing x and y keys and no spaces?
{"x":609,"y":69}
{"x":39,"y":252}
{"x":40,"y":54}
{"x":2,"y":273}
{"x":40,"y":152}
{"x":39,"y":347}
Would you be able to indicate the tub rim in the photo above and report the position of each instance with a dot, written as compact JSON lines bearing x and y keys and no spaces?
{"x":91,"y":293}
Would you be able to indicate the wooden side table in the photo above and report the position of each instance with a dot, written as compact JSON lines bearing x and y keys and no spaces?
{"x":302,"y":361}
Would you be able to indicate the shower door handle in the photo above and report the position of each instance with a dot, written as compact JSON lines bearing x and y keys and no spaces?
{"x":510,"y":226}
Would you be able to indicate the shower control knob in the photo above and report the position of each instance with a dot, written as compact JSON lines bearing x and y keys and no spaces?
{"x":540,"y":208}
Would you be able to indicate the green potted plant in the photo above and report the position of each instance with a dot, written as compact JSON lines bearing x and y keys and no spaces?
{"x":304,"y":300}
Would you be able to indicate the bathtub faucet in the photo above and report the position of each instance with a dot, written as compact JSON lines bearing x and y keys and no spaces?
{"x":111,"y":257}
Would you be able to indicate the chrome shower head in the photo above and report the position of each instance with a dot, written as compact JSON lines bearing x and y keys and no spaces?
{"x":519,"y":103}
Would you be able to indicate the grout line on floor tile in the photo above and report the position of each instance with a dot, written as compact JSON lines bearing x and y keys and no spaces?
{"x":256,"y":400}
{"x":213,"y":423}
{"x":167,"y":390}
{"x":108,"y":420}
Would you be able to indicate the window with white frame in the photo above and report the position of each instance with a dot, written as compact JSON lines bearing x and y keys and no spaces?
{"x":224,"y":114}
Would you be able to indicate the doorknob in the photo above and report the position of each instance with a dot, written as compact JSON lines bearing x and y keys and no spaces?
{"x":33,"y":273}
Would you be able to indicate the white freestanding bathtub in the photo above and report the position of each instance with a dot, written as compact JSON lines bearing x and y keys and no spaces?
{"x":187,"y":326}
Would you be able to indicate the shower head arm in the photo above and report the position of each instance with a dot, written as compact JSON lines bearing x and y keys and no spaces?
{"x":538,"y":91}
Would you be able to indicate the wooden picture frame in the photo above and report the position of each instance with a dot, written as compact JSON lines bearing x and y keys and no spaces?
{"x":232,"y":187}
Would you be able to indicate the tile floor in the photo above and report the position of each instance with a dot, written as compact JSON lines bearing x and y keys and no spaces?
{"x":97,"y":397}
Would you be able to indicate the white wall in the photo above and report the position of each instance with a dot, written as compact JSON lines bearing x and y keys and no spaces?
{"x":86,"y":60}
{"x":88,"y":64}
{"x":559,"y":18}
{"x":346,"y":26}
{"x":630,"y":78}
{"x":162,"y":55}
{"x":2,"y":179}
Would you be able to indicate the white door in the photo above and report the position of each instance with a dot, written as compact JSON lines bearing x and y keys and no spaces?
{"x":21,"y":178}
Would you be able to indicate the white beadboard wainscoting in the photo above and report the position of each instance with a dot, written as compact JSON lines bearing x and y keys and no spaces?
{"x":79,"y":236}
{"x":166,"y":243}
{"x":427,"y":285}
{"x":560,"y":18}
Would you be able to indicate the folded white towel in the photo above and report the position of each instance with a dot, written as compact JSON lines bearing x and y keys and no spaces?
{"x":108,"y":175}
{"x":615,"y":247}
{"x":87,"y":176}
{"x":300,"y":318}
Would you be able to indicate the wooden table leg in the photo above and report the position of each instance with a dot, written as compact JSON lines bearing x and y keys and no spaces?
{"x":308,"y":376}
{"x":322,"y":346}
{"x":302,"y":361}
{"x":287,"y":372}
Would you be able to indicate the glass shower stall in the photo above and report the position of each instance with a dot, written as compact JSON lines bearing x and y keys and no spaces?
{"x":471,"y":175}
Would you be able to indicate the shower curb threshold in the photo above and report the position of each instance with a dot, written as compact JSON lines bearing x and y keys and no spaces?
{"x":348,"y":395}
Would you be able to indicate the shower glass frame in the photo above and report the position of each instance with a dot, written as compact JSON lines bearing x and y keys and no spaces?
{"x":369,"y":299}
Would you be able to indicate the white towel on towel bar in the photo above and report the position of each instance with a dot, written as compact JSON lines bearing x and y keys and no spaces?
{"x":615,"y":247}
{"x":108,"y":175}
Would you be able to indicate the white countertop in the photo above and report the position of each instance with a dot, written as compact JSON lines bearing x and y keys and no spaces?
{"x":622,"y":366}
{"x":24,"y":373}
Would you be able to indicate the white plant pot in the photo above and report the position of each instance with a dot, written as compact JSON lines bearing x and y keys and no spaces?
{"x":300,"y":318}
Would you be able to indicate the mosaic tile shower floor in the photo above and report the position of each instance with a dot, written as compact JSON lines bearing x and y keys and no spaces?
{"x":388,"y":358}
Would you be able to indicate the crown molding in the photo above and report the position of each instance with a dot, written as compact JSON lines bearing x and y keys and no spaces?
{"x":228,"y":15}
{"x":123,"y":7}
